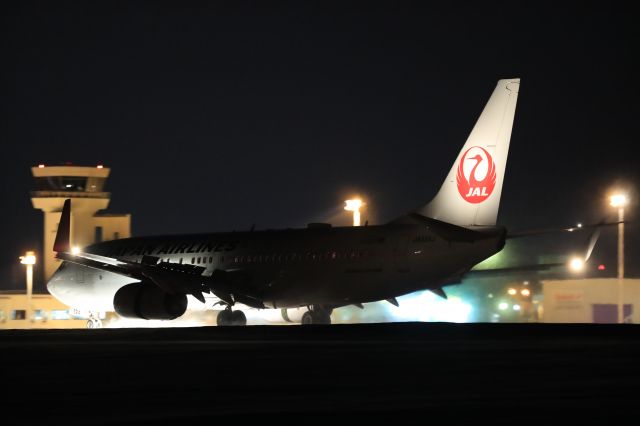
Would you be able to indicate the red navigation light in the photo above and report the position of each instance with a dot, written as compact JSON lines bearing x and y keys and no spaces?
{"x":601,"y":268}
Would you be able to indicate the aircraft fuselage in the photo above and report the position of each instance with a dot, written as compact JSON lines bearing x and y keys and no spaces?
{"x":323,"y":265}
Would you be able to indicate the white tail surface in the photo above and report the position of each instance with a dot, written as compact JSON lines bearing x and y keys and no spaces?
{"x":470,"y":196}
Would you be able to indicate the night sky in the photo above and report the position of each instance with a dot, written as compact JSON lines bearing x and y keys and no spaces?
{"x":214,"y":116}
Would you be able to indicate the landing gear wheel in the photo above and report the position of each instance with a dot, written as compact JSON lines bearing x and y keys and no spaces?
{"x":316,"y":317}
{"x":224,"y":317}
{"x":238,"y":318}
{"x":94,"y":323}
{"x":307,"y":318}
{"x":229,"y":317}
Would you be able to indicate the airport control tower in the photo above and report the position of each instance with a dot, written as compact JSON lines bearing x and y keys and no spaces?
{"x":85,"y":187}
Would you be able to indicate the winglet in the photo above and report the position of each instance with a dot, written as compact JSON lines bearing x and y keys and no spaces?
{"x":63,"y":237}
{"x":592,"y":243}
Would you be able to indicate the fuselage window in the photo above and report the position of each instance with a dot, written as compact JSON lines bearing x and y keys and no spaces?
{"x":181,"y":261}
{"x":193,"y":260}
{"x":211,"y":260}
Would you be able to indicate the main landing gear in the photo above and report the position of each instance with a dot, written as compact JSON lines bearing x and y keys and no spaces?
{"x":229,"y":317}
{"x":317,"y":315}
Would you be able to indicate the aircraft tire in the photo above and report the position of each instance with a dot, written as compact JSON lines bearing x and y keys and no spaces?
{"x":307,"y":318}
{"x":94,"y":323}
{"x":316,"y":317}
{"x":224,"y":318}
{"x":238,"y":318}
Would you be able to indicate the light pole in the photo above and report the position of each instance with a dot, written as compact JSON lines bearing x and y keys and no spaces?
{"x":29,"y":259}
{"x":354,"y":206}
{"x":619,"y":201}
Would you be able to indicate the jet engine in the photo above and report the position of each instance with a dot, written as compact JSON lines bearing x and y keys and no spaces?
{"x":147,"y":301}
{"x":293,"y":314}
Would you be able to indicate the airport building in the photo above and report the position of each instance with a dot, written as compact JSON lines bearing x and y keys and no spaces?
{"x":590,"y":300}
{"x":85,"y":186}
{"x":19,"y":311}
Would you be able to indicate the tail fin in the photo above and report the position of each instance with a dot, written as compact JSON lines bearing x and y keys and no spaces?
{"x":470,"y":196}
{"x":62,"y":243}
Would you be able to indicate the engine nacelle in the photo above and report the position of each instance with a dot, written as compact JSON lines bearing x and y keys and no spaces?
{"x":292,"y":314}
{"x":148,"y":301}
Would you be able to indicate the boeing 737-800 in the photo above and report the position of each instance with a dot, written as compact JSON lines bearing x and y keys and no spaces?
{"x":319,"y":267}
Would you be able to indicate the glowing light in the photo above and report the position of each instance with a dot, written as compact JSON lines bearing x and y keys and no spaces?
{"x":576,"y":264}
{"x":28,"y":259}
{"x":525,"y":292}
{"x":618,"y":200}
{"x":354,"y":206}
{"x":512,"y":291}
{"x":503,"y":305}
{"x":99,"y":166}
{"x":579,"y":225}
{"x":75,"y":250}
{"x":425,"y":306}
{"x":41,"y":166}
{"x":516,"y":307}
{"x":601,"y":268}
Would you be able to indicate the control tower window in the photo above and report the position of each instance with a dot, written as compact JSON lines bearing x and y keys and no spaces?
{"x":70,"y":183}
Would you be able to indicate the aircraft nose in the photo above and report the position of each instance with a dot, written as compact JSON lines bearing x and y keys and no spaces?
{"x":51,"y":287}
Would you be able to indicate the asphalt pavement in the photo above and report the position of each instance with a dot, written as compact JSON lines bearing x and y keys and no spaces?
{"x":437,"y":373}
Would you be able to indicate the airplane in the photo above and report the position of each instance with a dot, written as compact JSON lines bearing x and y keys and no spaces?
{"x":320,"y":267}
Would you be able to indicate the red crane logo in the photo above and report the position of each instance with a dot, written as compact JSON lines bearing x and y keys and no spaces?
{"x":472,"y":189}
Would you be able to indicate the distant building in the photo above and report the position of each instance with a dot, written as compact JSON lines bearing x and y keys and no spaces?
{"x":590,"y":300}
{"x":43,"y":311}
{"x":85,"y":186}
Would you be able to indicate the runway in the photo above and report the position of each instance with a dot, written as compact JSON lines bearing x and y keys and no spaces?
{"x":459,"y":373}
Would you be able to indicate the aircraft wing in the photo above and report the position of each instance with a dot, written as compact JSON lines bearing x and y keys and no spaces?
{"x":593,"y":238}
{"x":542,"y":231}
{"x":173,"y":278}
{"x":512,"y":269}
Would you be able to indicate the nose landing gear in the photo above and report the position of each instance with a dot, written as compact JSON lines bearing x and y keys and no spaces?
{"x":229,"y":317}
{"x":94,"y":321}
